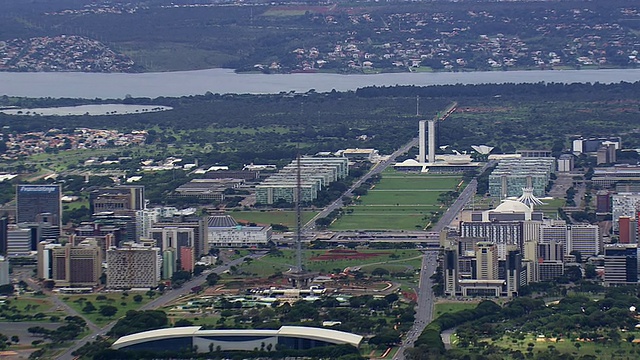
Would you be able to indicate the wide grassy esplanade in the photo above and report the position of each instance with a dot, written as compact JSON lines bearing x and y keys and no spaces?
{"x":399,"y":202}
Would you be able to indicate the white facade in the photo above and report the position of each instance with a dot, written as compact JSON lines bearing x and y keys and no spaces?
{"x":432,"y":141}
{"x":18,"y":241}
{"x":145,"y":220}
{"x":584,"y":238}
{"x":577,"y":146}
{"x":133,"y":267}
{"x":422,"y":141}
{"x":565,"y":163}
{"x":45,"y":256}
{"x":239,"y":236}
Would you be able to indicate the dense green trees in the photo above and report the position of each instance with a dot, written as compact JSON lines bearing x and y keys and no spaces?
{"x":137,"y":321}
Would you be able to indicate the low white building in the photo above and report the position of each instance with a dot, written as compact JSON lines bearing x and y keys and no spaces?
{"x":224,"y":231}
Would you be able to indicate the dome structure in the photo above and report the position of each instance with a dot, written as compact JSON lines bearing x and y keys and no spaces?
{"x":512,"y":206}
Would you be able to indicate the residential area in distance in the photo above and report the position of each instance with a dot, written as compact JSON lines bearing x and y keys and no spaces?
{"x":282,"y":37}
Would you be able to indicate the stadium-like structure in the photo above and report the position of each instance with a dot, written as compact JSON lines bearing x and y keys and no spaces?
{"x":190,"y":337}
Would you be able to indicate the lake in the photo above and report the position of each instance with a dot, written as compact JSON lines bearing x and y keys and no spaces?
{"x":181,"y":83}
{"x":98,"y":109}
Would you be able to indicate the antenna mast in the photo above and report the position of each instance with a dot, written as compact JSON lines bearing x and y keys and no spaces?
{"x":298,"y":216}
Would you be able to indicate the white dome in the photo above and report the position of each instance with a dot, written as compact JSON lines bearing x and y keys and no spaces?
{"x":512,"y":206}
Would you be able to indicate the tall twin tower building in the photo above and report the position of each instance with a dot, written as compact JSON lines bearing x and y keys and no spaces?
{"x":423,"y":157}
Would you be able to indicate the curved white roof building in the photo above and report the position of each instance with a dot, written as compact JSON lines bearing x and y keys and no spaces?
{"x":293,"y":337}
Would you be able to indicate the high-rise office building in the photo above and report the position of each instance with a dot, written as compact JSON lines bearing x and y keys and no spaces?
{"x":501,"y":233}
{"x":422,"y":141}
{"x":451,"y":272}
{"x":4,"y":223}
{"x":39,"y":203}
{"x":79,"y":265}
{"x":551,"y":251}
{"x":187,"y":261}
{"x":123,"y":198}
{"x":606,"y":154}
{"x":513,"y":271}
{"x":133,"y":266}
{"x":4,"y":271}
{"x":621,"y":264}
{"x":45,"y":259}
{"x":168,"y":263}
{"x":432,"y":141}
{"x":486,"y":261}
{"x":182,"y":233}
{"x":145,"y":220}
{"x":20,"y":240}
{"x":585,"y":238}
{"x":628,"y":228}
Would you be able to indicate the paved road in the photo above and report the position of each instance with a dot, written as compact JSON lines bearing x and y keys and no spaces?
{"x":424,"y":308}
{"x":377,"y":169}
{"x":456,"y":207}
{"x":426,"y":298}
{"x":164,"y":299}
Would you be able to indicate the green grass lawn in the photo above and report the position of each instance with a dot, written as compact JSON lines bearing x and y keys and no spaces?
{"x":408,"y":182}
{"x":451,"y":307}
{"x":287,"y":218}
{"x":400,"y":198}
{"x":399,"y":202}
{"x":29,"y":306}
{"x":392,"y":260}
{"x":610,"y":350}
{"x":123,"y":303}
{"x":367,"y":219}
{"x":550,"y":207}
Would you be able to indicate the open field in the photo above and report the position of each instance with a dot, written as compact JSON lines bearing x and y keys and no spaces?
{"x":392,"y":260}
{"x":399,"y":202}
{"x":417,"y":182}
{"x":119,"y":300}
{"x":36,"y":308}
{"x":451,"y":307}
{"x":400,"y":197}
{"x":286,"y":218}
{"x":365,"y":219}
{"x":610,"y":350}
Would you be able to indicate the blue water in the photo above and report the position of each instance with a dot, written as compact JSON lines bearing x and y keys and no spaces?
{"x":98,"y":85}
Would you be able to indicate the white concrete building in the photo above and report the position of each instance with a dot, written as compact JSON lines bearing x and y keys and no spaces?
{"x":227,"y":233}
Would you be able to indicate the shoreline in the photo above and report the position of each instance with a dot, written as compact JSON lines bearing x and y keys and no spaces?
{"x":320,"y":71}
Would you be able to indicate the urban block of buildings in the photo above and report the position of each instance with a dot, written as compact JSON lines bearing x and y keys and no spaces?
{"x":512,"y":175}
{"x":316,"y":173}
